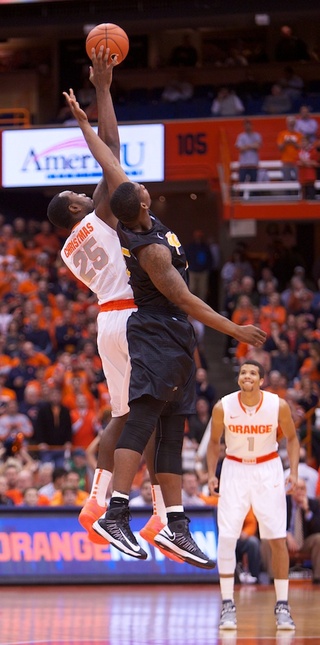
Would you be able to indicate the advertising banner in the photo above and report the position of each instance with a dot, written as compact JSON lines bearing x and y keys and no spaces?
{"x":60,"y":156}
{"x":48,"y":545}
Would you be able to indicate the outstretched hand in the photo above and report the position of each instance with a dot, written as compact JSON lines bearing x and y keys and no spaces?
{"x":102,"y":66}
{"x":251,"y":335}
{"x":74,"y":106}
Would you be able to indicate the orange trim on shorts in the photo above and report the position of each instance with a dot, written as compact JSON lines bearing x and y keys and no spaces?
{"x":118,"y":305}
{"x":254,"y":460}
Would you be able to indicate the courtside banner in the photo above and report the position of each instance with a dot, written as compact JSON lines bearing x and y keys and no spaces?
{"x":49,"y":546}
{"x":60,"y":156}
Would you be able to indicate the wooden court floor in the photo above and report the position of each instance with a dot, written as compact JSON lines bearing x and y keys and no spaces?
{"x":156,"y":614}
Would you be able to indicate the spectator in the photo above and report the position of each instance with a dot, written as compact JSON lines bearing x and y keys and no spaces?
{"x":144,"y":499}
{"x":204,"y":389}
{"x":184,"y":55}
{"x":290,"y":48}
{"x":227,"y":103}
{"x":285,"y":361}
{"x":199,"y":264}
{"x":303,"y":527}
{"x":57,"y":479}
{"x":4,"y":499}
{"x":277,"y":384}
{"x":69,"y":497}
{"x":308,"y":474}
{"x":306,"y":125}
{"x":25,"y":480}
{"x":31,"y":498}
{"x":177,"y":89}
{"x":53,"y":429}
{"x":277,"y":102}
{"x":291,"y":83}
{"x":248,"y":550}
{"x":71,"y":481}
{"x":85,"y":424}
{"x":289,"y":142}
{"x":191,"y":489}
{"x":273,"y":311}
{"x":12,"y":423}
{"x":199,"y":421}
{"x":248,"y":143}
{"x":307,"y":164}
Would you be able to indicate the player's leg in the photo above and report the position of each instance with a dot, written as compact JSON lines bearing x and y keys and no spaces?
{"x":175,"y":537}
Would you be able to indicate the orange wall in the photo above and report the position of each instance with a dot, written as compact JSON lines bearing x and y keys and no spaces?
{"x":192,"y":147}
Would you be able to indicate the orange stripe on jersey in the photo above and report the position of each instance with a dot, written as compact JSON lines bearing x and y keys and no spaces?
{"x":242,"y":406}
{"x":118,"y":305}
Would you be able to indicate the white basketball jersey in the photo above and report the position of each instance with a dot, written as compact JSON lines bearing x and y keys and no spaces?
{"x":93,"y":253}
{"x":250,"y":433}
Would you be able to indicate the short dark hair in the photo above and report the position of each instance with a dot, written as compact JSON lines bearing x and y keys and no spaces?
{"x":257,"y":364}
{"x":125,"y":202}
{"x":58,"y":212}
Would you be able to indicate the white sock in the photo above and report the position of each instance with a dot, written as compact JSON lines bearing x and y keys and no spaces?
{"x":158,"y":503}
{"x":227,"y":588}
{"x":117,"y":494}
{"x":174,"y":509}
{"x":281,"y":588}
{"x":101,"y":481}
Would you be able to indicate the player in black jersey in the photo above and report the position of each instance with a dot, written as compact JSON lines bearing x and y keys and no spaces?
{"x":161,"y":344}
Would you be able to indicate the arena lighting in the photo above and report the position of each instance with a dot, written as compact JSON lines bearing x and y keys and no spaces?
{"x":162,"y":198}
{"x":87,"y":28}
{"x":262,"y":19}
{"x":193,"y":196}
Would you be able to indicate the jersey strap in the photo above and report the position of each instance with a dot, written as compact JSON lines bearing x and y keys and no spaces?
{"x":254,"y":460}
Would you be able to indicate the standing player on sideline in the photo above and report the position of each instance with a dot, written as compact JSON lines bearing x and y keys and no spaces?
{"x":93,"y":254}
{"x":161,"y":344}
{"x":252,"y":475}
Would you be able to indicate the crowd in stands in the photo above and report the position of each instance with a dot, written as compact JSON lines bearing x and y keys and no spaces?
{"x":54,"y":399}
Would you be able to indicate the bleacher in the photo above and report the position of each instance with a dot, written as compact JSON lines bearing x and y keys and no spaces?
{"x":272,"y":187}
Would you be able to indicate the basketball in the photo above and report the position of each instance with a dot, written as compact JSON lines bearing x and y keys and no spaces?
{"x":108,"y":35}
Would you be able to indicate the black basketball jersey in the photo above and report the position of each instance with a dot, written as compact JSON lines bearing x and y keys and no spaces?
{"x":144,"y":291}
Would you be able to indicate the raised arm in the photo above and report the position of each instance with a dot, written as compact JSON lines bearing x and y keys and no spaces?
{"x":155,"y":259}
{"x":101,"y":73}
{"x":110,"y":165}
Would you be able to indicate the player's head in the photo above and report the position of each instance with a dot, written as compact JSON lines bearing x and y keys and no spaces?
{"x":128,"y":201}
{"x":251,"y":370}
{"x":67,"y":208}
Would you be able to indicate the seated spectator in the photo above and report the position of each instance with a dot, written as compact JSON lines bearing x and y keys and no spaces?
{"x":291,"y":83}
{"x":191,"y":490}
{"x":12,"y":422}
{"x":277,"y":102}
{"x":311,"y":365}
{"x":290,"y":48}
{"x":304,"y":535}
{"x":71,"y":481}
{"x":85,"y":424}
{"x":177,"y":89}
{"x":277,"y":384}
{"x":306,"y":125}
{"x":53,"y":429}
{"x":31,"y":497}
{"x":273,"y":311}
{"x":144,"y":498}
{"x":288,"y":142}
{"x":308,"y":474}
{"x":285,"y":361}
{"x":266,"y":279}
{"x":57,"y":479}
{"x":25,"y":480}
{"x":4,"y":499}
{"x":69,"y":497}
{"x":185,"y":54}
{"x":227,"y":103}
{"x":198,"y":422}
{"x":248,"y":554}
{"x":204,"y":389}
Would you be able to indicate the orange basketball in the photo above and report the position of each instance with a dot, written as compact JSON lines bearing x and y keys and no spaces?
{"x":108,"y":35}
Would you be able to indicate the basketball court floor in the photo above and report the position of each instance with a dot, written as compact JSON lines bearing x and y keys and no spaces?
{"x":185,"y":614}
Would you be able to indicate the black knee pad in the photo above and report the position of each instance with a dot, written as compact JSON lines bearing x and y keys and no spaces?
{"x":169,"y":440}
{"x":143,"y":417}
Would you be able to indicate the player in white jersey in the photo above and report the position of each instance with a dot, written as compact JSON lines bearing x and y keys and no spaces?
{"x":92,"y":252}
{"x":252,"y":476}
